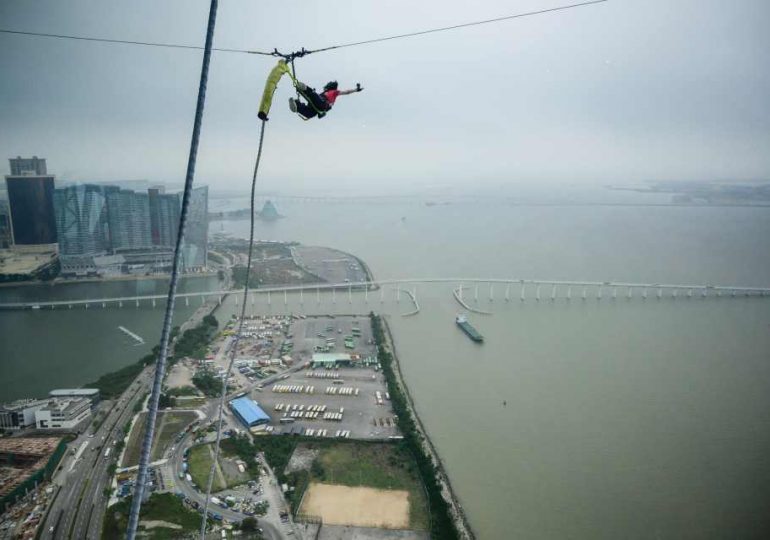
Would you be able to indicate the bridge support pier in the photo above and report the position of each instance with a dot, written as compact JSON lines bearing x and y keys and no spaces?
{"x":334,"y":295}
{"x":553,"y":293}
{"x":585,"y":292}
{"x":153,"y":302}
{"x":537,"y":293}
{"x":137,"y":303}
{"x":236,"y":299}
{"x":269,"y":299}
{"x":301,"y":299}
{"x":569,"y":292}
{"x":614,"y":293}
{"x":398,"y":294}
{"x":318,"y":295}
{"x":70,"y":306}
{"x":630,"y":293}
{"x":382,"y":294}
{"x":673,"y":294}
{"x":703,"y":293}
{"x":599,"y":293}
{"x":491,"y":292}
{"x":508,"y":292}
{"x":120,"y":304}
{"x":644,"y":294}
{"x":285,"y":298}
{"x":203,"y":300}
{"x":523,"y":289}
{"x":660,"y":294}
{"x":476,"y":293}
{"x":104,"y":305}
{"x":86,"y":306}
{"x":350,"y":294}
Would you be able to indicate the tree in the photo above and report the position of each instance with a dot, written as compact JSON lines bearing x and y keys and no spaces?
{"x":249,"y":524}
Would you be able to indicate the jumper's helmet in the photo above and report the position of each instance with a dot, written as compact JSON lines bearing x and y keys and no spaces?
{"x":331,"y":85}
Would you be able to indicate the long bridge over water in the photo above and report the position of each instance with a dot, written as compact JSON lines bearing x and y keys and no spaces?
{"x":465,"y":290}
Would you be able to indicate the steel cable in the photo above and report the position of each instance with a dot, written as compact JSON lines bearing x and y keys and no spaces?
{"x":237,"y":338}
{"x":160,"y":365}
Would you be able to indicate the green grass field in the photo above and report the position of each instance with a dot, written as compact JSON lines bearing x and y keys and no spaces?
{"x":161,"y":507}
{"x":168,"y":426}
{"x":384,"y":466}
{"x":225,"y":475}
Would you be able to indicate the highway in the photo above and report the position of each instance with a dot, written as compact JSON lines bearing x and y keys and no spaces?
{"x":698,"y":289}
{"x":79,"y":508}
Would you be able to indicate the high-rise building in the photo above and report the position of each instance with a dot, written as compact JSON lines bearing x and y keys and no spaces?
{"x":164,"y":217}
{"x":81,"y":220}
{"x":23,"y":166}
{"x":196,"y":237}
{"x":6,"y":232}
{"x":32,"y":215}
{"x":128,"y":214}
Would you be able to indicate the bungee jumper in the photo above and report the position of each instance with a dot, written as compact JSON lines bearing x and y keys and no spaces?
{"x":317,"y":104}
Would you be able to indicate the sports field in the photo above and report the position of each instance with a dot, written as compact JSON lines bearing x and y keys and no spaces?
{"x":357,"y":506}
{"x":385,"y":472}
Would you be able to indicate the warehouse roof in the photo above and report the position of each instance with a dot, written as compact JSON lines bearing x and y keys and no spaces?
{"x":248,"y":411}
{"x":331,"y":357}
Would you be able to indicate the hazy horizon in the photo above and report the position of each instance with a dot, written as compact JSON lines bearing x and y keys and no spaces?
{"x":619,"y":92}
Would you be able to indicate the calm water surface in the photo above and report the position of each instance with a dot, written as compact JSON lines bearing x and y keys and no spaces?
{"x":624,"y":419}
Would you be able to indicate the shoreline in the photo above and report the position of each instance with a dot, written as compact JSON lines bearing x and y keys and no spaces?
{"x":75,"y":281}
{"x":461,"y":523}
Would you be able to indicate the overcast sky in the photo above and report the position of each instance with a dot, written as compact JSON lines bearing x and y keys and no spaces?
{"x":625,"y":91}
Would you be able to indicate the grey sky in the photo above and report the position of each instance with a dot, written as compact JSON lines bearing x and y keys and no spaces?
{"x":624,"y":91}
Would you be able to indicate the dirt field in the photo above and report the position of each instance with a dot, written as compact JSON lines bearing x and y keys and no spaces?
{"x":360,"y":506}
{"x":180,"y":375}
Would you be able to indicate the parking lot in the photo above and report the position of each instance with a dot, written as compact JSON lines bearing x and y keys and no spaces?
{"x":331,"y":401}
{"x":329,"y":264}
{"x":356,"y":414}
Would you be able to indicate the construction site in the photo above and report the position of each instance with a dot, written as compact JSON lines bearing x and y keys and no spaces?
{"x":26,"y":464}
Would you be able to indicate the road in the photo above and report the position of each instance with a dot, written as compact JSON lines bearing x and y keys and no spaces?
{"x":79,"y":508}
{"x":270,"y":531}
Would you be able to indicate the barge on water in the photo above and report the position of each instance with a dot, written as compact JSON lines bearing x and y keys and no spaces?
{"x":466,"y":327}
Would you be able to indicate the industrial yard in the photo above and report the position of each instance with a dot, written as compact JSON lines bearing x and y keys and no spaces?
{"x":335,"y":387}
{"x":330,"y":403}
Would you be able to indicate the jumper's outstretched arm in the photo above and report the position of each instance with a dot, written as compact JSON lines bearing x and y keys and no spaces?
{"x":358,"y":88}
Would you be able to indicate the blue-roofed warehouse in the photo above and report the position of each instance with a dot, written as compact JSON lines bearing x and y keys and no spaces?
{"x":248,"y":412}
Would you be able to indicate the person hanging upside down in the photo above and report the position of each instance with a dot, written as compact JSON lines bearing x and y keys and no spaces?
{"x":318,"y":104}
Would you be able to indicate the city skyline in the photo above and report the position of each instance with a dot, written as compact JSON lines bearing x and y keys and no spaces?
{"x":99,"y":228}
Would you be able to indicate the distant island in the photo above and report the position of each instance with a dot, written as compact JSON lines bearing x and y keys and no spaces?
{"x":268,"y":213}
{"x":707,"y":193}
